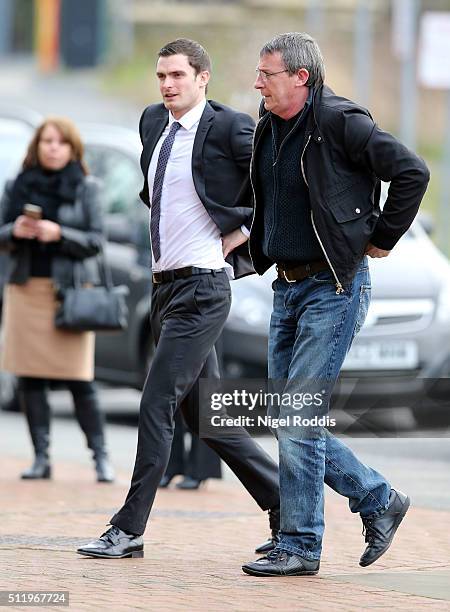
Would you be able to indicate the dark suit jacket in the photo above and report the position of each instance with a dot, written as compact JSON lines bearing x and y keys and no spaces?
{"x":220,"y":168}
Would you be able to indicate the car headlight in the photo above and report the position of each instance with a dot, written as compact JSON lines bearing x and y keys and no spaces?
{"x":443,"y":305}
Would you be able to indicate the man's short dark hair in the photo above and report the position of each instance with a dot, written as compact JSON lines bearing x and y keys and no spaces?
{"x":197,"y":55}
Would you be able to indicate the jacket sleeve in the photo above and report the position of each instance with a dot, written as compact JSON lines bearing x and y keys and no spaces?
{"x":143,"y":194}
{"x":241,"y":143}
{"x":141,"y":122}
{"x":86,"y":243}
{"x":379,"y":152}
{"x":241,"y":138}
{"x":7,"y":241}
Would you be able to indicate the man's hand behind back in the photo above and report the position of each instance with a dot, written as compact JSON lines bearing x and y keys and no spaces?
{"x":373,"y":251}
{"x":232,"y":241}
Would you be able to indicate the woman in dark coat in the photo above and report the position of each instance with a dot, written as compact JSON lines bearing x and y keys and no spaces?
{"x":61,"y":231}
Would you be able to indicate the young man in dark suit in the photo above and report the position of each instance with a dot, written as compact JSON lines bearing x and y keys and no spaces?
{"x":195,"y":161}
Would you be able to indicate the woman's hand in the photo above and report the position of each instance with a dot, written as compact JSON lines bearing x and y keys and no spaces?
{"x":25,"y":228}
{"x":48,"y":231}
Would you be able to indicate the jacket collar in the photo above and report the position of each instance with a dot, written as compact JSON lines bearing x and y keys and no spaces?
{"x":159,"y":121}
{"x":189,"y":119}
{"x":264,"y":117}
{"x":153,"y":133}
{"x":198,"y":166}
{"x":312,"y":121}
{"x":204,"y":126}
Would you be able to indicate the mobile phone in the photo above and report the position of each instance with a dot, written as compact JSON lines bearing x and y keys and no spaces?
{"x":32,"y":211}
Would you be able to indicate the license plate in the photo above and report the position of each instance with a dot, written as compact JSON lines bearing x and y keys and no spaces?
{"x":389,"y":355}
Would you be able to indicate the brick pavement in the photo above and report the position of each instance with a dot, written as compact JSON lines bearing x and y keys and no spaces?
{"x":194,"y":546}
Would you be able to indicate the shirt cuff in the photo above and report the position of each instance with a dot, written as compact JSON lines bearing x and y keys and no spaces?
{"x":245,"y":231}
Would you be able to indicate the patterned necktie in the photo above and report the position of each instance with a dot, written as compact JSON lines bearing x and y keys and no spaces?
{"x":163,"y":158}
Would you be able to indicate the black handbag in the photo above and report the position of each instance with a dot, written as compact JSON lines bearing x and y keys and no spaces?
{"x":98,"y":308}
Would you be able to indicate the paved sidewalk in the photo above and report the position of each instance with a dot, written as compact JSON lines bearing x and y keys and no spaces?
{"x":194,"y":546}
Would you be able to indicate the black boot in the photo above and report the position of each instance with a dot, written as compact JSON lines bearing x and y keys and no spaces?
{"x":274,"y":523}
{"x":189,"y":484}
{"x":103,"y":467}
{"x":165,"y":481}
{"x":37,"y":411}
{"x":40,"y":468}
{"x":90,"y":418}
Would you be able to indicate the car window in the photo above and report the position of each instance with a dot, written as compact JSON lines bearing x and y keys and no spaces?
{"x":120,"y":174}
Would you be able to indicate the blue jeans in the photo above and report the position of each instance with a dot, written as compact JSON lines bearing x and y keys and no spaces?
{"x":311,"y":330}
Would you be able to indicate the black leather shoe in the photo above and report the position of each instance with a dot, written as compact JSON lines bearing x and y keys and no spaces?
{"x":281,"y":563}
{"x":274,"y":524}
{"x":380,"y":531}
{"x":189,"y":484}
{"x":114,"y":544}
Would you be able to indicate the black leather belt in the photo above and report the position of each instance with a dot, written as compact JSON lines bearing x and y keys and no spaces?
{"x":301,"y":271}
{"x":166,"y":276}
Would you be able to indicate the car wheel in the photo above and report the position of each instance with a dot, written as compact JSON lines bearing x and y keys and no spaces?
{"x":9,"y":401}
{"x":431,"y":417}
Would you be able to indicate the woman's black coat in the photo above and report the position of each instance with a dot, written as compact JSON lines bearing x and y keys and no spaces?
{"x":81,"y":237}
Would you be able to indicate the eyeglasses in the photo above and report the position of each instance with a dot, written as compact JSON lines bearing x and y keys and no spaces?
{"x":266,"y":76}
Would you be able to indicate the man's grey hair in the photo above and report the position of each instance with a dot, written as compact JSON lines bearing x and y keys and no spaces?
{"x":298,"y":50}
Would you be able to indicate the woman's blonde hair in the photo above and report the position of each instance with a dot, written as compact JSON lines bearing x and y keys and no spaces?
{"x":69,"y":133}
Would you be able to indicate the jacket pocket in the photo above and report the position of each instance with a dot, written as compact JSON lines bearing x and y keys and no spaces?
{"x":354,"y":216}
{"x":351,"y":204}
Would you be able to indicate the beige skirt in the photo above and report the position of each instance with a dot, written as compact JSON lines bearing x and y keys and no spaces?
{"x":31,"y":344}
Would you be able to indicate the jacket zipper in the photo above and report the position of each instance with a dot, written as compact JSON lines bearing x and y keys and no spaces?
{"x":275,"y":180}
{"x":339,"y":287}
{"x":282,"y":144}
{"x":252,"y":186}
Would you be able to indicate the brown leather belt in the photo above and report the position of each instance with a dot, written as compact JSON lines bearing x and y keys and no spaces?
{"x":302,"y":271}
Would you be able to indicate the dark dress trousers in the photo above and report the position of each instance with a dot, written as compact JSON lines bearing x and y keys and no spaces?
{"x":200,"y":462}
{"x":188,"y":316}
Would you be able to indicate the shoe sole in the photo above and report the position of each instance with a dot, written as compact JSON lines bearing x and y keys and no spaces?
{"x":273,"y":575}
{"x":136,"y":554}
{"x":400,"y":517}
{"x":46,"y":475}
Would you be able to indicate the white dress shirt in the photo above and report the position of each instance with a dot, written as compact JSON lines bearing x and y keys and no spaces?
{"x":188,"y":235}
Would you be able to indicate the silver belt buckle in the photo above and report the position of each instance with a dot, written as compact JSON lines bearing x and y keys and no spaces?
{"x":286,"y":278}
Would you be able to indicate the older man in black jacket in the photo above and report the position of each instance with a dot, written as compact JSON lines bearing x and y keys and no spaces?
{"x":317,"y":164}
{"x":195,"y":162}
